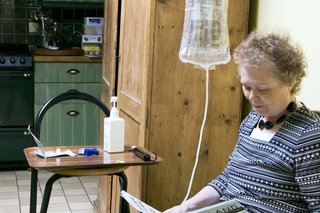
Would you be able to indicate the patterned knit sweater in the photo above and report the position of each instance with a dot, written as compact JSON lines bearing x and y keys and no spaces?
{"x":281,"y":175}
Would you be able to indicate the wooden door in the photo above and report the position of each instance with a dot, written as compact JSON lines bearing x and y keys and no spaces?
{"x":105,"y":201}
{"x":136,"y":41}
{"x":133,"y":82}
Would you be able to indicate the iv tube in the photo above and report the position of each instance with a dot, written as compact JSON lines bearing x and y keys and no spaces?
{"x":200,"y":136}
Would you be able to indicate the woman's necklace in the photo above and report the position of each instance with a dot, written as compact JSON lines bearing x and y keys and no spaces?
{"x":269,"y":124}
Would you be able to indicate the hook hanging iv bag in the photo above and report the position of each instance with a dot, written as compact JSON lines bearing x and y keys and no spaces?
{"x":205,"y":38}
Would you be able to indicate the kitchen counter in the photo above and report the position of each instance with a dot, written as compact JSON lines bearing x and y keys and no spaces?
{"x":84,"y":59}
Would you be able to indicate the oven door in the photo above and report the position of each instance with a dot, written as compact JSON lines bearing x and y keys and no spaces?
{"x":16,"y":97}
{"x":13,"y":141}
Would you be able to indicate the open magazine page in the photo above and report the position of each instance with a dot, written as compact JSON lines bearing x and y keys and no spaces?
{"x":231,"y":206}
{"x":138,"y":204}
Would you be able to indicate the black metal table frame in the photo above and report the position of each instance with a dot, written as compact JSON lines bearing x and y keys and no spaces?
{"x":123,"y":206}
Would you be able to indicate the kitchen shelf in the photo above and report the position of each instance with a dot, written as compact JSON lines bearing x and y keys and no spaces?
{"x":80,"y":59}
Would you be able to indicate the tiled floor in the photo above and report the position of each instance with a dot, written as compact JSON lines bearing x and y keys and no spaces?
{"x":69,"y":195}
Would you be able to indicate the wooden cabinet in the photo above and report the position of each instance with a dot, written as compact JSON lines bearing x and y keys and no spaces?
{"x":162,"y":99}
{"x":72,"y":122}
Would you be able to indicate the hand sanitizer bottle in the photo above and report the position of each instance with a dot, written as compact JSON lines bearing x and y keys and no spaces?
{"x":114,"y":130}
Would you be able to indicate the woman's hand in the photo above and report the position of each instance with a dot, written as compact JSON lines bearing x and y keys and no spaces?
{"x":177,"y":209}
{"x":205,"y":197}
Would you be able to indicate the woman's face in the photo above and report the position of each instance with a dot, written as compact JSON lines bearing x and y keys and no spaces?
{"x":267,"y":94}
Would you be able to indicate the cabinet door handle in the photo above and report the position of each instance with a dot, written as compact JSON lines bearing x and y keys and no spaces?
{"x":73,"y":113}
{"x":73,"y":71}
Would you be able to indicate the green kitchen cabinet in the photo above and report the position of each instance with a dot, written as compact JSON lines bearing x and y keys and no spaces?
{"x":73,"y":122}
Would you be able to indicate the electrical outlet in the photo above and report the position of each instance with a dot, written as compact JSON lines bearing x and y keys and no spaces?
{"x":33,"y":27}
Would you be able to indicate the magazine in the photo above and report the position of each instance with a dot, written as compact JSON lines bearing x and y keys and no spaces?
{"x":49,"y":154}
{"x":231,"y":206}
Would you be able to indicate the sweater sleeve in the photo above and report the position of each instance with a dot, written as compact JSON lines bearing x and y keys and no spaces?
{"x":220,"y":183}
{"x":307,"y":169}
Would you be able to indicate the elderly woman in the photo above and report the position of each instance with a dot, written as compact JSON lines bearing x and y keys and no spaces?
{"x":275,"y":166}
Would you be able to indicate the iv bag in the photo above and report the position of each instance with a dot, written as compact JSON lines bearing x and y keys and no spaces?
{"x":205,"y":39}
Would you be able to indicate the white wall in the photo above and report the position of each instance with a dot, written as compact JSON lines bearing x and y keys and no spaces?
{"x":301,"y":20}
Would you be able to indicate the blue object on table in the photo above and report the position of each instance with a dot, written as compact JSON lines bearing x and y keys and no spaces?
{"x":91,"y":151}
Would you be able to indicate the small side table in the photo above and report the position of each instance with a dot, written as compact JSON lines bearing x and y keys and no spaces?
{"x":94,"y":165}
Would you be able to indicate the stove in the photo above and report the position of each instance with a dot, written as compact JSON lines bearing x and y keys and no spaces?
{"x":17,"y":104}
{"x":15,"y":56}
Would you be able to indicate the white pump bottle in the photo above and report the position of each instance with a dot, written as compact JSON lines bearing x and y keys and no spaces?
{"x":114,"y":129}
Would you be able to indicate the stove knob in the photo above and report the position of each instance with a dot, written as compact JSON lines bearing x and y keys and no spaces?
{"x":12,"y":60}
{"x":2,"y":60}
{"x":22,"y":61}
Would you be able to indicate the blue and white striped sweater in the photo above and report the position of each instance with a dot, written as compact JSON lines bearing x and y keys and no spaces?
{"x":281,"y":175}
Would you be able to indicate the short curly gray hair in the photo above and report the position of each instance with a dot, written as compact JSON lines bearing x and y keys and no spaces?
{"x":276,"y":51}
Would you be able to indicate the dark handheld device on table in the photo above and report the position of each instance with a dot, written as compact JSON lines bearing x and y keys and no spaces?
{"x":141,"y":154}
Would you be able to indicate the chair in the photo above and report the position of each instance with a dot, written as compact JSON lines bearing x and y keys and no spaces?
{"x":72,"y":94}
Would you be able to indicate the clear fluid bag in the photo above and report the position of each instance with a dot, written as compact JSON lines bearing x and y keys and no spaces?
{"x":205,"y":39}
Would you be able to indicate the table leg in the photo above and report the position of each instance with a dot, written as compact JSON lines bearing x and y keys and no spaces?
{"x":33,"y":190}
{"x":124,"y":206}
{"x":48,"y":190}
